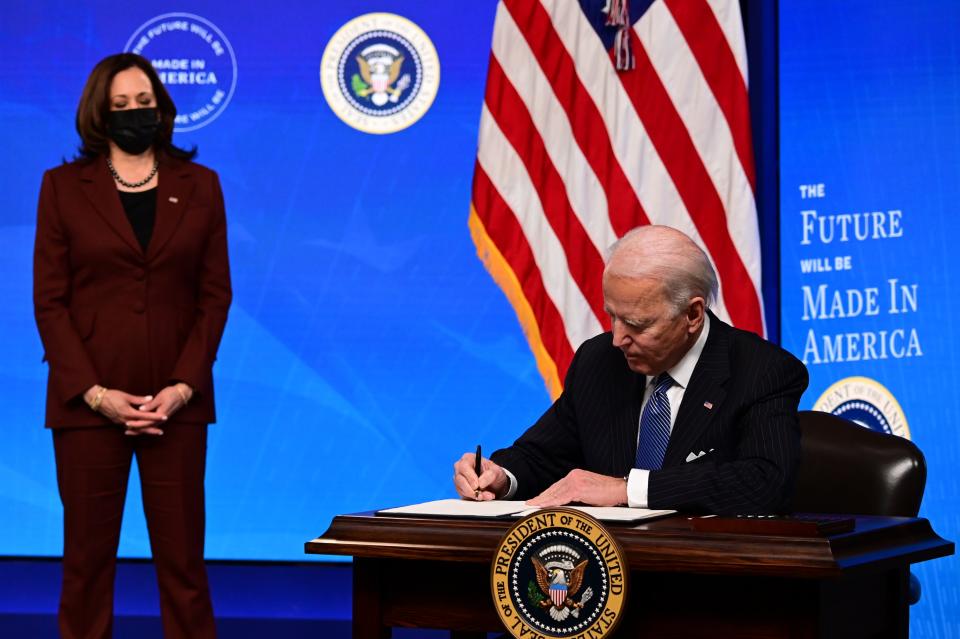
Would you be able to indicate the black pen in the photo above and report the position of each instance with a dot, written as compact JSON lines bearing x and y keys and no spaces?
{"x":478,"y":469}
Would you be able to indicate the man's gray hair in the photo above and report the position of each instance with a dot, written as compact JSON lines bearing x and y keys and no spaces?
{"x":668,"y":255}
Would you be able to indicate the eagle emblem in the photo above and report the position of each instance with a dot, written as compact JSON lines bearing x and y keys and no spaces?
{"x":559,"y":573}
{"x":559,"y":580}
{"x":377,"y":81}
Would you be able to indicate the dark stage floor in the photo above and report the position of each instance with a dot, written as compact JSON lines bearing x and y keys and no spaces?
{"x":18,"y":626}
{"x":279,"y":601}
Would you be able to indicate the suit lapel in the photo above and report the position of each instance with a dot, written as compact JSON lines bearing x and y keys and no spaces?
{"x":98,"y":187}
{"x":173,"y":194}
{"x":627,"y":424}
{"x":706,"y":387}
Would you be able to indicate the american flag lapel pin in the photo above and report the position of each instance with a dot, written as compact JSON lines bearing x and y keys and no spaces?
{"x":708,"y":405}
{"x":174,"y":199}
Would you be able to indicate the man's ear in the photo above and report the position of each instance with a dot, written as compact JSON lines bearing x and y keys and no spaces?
{"x":696,"y":312}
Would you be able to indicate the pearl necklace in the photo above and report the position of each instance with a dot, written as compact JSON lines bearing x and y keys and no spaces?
{"x":132,"y":185}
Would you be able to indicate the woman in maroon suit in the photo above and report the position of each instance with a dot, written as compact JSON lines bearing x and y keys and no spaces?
{"x":131,"y":291}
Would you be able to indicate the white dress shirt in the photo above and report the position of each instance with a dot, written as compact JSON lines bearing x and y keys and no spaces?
{"x":639,"y":478}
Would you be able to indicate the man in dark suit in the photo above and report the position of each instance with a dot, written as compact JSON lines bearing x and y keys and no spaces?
{"x":671,"y":409}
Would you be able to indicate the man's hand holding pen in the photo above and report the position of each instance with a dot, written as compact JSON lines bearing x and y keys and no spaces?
{"x":490,"y":483}
{"x":477,"y":470}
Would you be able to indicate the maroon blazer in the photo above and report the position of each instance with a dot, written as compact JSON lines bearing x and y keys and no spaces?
{"x":110,"y":313}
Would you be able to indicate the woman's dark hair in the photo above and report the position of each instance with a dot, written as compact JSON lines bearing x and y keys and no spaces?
{"x":95,"y":105}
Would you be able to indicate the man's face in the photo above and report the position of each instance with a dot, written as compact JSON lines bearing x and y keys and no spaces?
{"x":646,"y":327}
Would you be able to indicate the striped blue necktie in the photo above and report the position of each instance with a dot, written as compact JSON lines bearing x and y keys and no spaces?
{"x":655,"y":426}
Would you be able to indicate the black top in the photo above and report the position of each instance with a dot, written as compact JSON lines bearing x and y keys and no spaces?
{"x":141,"y":210}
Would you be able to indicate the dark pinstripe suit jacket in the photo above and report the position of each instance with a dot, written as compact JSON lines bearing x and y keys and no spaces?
{"x":753,"y":388}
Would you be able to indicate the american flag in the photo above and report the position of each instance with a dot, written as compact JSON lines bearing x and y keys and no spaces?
{"x":574,"y":151}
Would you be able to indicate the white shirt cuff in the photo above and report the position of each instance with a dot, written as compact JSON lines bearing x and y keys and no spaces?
{"x":513,"y":485}
{"x":637,"y":483}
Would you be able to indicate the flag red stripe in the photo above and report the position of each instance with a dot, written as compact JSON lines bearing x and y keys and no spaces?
{"x":682,"y":161}
{"x":509,"y":111}
{"x":589,"y":129}
{"x":705,"y":195}
{"x":505,"y":231}
{"x":710,"y":47}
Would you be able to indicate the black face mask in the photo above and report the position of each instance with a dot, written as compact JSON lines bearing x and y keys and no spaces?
{"x":133,"y":130}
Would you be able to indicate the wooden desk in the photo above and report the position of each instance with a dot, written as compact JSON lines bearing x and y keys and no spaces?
{"x":435,"y":573}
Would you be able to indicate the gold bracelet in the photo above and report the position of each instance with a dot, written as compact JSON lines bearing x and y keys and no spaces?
{"x":95,"y":403}
{"x":180,"y":392}
{"x":90,"y":401}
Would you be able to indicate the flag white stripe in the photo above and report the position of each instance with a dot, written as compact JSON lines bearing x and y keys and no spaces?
{"x":731,"y":23}
{"x":694,"y":100}
{"x":632,"y":145}
{"x":588,"y":193}
{"x":508,"y":174}
{"x":584,"y":191}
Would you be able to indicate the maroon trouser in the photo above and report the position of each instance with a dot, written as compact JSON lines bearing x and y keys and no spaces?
{"x":93,"y":468}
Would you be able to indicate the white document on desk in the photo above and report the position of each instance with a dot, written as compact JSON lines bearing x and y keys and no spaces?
{"x":503,"y":508}
{"x":610,"y":513}
{"x":458,"y":508}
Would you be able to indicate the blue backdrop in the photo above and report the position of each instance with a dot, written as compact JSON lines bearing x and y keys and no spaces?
{"x":870,"y":110}
{"x":366,"y":348}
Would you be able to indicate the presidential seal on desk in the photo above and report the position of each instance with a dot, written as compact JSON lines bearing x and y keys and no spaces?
{"x":559,"y":573}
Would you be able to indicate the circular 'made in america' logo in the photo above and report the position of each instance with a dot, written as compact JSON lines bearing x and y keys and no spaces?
{"x":380,"y":73}
{"x":866,"y":402}
{"x":559,"y":573}
{"x":195,"y":62}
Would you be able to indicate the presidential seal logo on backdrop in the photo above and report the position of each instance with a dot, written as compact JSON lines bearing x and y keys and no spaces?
{"x":559,"y":573}
{"x":195,"y":62}
{"x":866,"y":402}
{"x":380,"y":73}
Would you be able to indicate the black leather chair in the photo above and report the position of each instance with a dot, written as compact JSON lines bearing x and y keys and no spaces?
{"x":846,"y":468}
